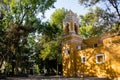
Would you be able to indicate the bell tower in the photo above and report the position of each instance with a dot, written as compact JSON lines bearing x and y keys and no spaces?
{"x":71,"y":42}
{"x":71,"y":24}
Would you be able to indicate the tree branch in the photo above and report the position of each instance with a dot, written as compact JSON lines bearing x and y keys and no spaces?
{"x":114,"y":4}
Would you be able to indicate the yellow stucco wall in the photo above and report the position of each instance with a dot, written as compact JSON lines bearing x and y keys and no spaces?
{"x":110,"y":47}
{"x":68,"y":59}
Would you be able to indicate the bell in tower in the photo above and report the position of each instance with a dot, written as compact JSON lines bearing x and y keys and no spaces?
{"x":71,"y":24}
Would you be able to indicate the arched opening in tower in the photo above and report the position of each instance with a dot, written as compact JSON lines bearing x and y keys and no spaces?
{"x":76,"y":28}
{"x":67,"y":29}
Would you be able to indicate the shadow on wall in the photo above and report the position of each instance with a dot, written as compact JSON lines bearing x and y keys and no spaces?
{"x":93,"y":69}
{"x":97,"y":70}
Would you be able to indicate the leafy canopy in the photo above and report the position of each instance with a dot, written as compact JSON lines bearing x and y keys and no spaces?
{"x":58,"y":16}
{"x":102,"y":18}
{"x":17,"y":21}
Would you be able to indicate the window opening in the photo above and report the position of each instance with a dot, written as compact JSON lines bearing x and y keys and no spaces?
{"x":100,"y":58}
{"x":83,"y":59}
{"x":95,"y":45}
{"x":67,"y":51}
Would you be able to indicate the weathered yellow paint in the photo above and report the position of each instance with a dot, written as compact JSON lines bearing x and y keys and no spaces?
{"x":110,"y":68}
{"x":108,"y":44}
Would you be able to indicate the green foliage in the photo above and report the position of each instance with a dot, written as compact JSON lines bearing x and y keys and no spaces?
{"x":24,"y":11}
{"x":58,"y":16}
{"x":108,"y":14}
{"x":50,"y":50}
{"x":99,"y":19}
{"x":86,"y":31}
{"x":50,"y":41}
{"x":36,"y":69}
{"x":50,"y":31}
{"x":17,"y":21}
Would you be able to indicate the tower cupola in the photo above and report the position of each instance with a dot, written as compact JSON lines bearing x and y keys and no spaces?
{"x":71,"y":23}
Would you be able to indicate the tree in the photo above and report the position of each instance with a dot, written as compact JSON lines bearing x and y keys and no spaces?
{"x":111,"y":10}
{"x":50,"y":47}
{"x":17,"y":21}
{"x":50,"y":42}
{"x":58,"y":16}
{"x":86,"y":31}
{"x":100,"y":20}
{"x":91,"y":23}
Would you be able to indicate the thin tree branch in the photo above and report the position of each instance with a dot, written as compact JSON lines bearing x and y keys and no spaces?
{"x":114,"y":4}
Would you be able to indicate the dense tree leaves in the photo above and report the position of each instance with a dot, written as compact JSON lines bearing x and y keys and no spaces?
{"x":100,"y":20}
{"x":49,"y":51}
{"x":17,"y":21}
{"x":50,"y":43}
{"x":58,"y":16}
{"x":108,"y":13}
{"x":86,"y":31}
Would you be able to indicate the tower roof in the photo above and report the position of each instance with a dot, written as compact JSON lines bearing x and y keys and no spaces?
{"x":71,"y":17}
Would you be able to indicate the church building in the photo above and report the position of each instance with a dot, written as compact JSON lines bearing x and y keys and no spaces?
{"x":92,"y":57}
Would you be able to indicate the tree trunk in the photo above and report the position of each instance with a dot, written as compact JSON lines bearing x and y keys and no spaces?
{"x":1,"y":63}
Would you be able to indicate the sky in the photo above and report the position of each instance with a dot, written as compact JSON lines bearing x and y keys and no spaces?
{"x":69,"y":5}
